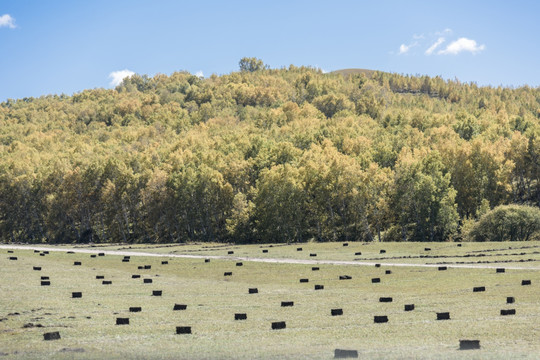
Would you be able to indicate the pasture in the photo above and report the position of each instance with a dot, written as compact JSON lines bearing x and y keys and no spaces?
{"x":230,"y":320}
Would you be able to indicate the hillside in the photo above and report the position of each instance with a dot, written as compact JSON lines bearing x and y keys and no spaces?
{"x":266,"y":155}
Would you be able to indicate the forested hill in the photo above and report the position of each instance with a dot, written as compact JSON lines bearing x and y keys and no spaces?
{"x":266,"y":155}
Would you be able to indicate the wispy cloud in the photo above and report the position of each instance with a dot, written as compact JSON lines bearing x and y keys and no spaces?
{"x":461,"y":45}
{"x":7,"y":20}
{"x":118,"y":76}
{"x":199,"y":73}
{"x":404,"y":48}
{"x":435,"y":45}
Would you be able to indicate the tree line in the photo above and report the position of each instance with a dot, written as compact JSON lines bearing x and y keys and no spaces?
{"x":270,"y":155}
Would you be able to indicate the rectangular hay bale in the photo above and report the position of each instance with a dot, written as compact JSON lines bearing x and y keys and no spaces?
{"x":345,"y":354}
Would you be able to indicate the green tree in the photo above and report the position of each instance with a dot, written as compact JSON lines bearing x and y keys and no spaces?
{"x":251,"y":64}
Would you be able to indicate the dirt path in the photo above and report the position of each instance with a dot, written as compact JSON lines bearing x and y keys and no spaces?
{"x":262,"y":260}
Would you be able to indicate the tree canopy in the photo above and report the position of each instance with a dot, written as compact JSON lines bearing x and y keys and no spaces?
{"x":266,"y":155}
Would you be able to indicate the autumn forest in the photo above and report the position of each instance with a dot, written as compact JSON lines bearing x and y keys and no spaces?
{"x":272,"y":155}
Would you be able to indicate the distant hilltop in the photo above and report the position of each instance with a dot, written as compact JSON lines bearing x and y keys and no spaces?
{"x":347,"y":72}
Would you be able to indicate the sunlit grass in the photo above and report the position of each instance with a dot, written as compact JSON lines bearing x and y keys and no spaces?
{"x":89,"y":323}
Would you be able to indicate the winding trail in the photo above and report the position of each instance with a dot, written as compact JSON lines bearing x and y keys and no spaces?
{"x":261,"y":260}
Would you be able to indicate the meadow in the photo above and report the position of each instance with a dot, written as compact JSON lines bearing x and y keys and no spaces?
{"x":88,"y":329}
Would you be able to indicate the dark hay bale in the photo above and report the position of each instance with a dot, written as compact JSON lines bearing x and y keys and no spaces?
{"x":299,"y":249}
{"x":127,"y":257}
{"x":459,"y":245}
{"x":375,"y":280}
{"x":442,"y":268}
{"x":122,"y":321}
{"x":312,"y":255}
{"x":278,"y":325}
{"x":178,"y":307}
{"x":479,"y":289}
{"x":239,"y":264}
{"x":157,"y":292}
{"x":140,"y":267}
{"x":409,"y":307}
{"x":344,"y":354}
{"x":287,"y":303}
{"x":382,"y":252}
{"x":93,"y":255}
{"x":135,"y":309}
{"x":377,"y":265}
{"x":241,"y":316}
{"x":443,"y":316}
{"x":51,"y":336}
{"x":76,"y":294}
{"x":427,"y":249}
{"x":345,"y":244}
{"x":135,"y":276}
{"x":147,"y":267}
{"x":45,"y":283}
{"x":385,"y":299}
{"x":304,"y":280}
{"x":345,"y":277}
{"x":77,"y":263}
{"x":12,"y":258}
{"x":71,"y":252}
{"x":100,"y":277}
{"x":46,"y":252}
{"x":265,"y":251}
{"x":10,"y":251}
{"x":500,"y":270}
{"x":41,"y":254}
{"x":164,"y":263}
{"x":227,"y":273}
{"x":469,"y":344}
{"x":36,"y":268}
{"x":44,"y":278}
{"x":183,"y":330}
{"x":206,"y":260}
{"x":101,"y":254}
{"x":508,"y":312}
{"x":336,"y":312}
{"x":125,"y":260}
{"x":525,"y":282}
{"x":315,"y":268}
{"x":147,"y":281}
{"x":36,"y":251}
{"x":388,"y":272}
{"x":106,"y":282}
{"x":380,"y":319}
{"x":319,"y":287}
{"x":230,"y":252}
{"x":358,"y":253}
{"x":510,"y":300}
{"x":253,"y":291}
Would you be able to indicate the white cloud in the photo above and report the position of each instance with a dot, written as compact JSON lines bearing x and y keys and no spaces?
{"x":7,"y":21}
{"x":403,"y":49}
{"x":446,"y":31}
{"x":118,"y":76}
{"x":460,"y":45}
{"x":435,"y":45}
{"x":199,"y":73}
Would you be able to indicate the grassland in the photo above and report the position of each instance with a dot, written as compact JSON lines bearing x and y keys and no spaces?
{"x":89,"y":331}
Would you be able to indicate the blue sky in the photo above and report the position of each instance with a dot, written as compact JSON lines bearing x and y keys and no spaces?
{"x":54,"y":47}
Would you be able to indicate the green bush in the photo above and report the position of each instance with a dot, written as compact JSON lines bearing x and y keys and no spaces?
{"x":507,"y":223}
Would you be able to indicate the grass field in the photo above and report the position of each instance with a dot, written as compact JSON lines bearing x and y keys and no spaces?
{"x":88,"y":327}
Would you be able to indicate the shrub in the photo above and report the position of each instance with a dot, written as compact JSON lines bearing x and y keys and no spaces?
{"x":507,"y":222}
